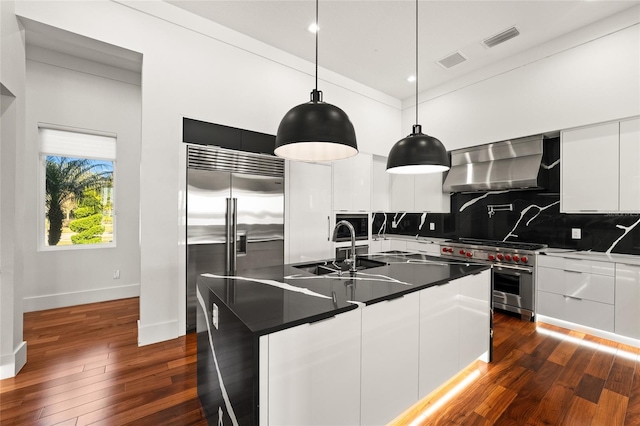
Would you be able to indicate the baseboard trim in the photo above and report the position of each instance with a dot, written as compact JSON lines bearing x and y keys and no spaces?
{"x":11,"y":364}
{"x":589,"y":330}
{"x":60,"y":300}
{"x":159,"y":332}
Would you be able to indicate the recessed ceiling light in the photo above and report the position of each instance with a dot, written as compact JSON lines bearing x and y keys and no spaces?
{"x":313,"y":28}
{"x":411,"y":78}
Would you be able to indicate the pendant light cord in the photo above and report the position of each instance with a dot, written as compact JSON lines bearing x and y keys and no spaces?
{"x":317,"y":29}
{"x":417,"y":62}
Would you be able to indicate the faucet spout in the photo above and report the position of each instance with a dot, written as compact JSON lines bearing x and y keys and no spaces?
{"x":352,"y":233}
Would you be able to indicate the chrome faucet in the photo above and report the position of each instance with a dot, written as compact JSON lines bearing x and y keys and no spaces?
{"x":352,"y":232}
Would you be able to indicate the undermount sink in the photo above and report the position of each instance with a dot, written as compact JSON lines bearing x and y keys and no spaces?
{"x":324,"y":268}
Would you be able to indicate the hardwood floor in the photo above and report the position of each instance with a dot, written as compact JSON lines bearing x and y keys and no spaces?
{"x":84,"y":366}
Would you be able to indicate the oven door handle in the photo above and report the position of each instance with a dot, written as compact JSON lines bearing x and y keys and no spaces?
{"x":519,"y":268}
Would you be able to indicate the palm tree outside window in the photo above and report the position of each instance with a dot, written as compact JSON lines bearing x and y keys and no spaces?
{"x":78,"y":188}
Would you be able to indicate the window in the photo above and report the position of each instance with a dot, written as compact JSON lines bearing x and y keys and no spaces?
{"x":77,"y":187}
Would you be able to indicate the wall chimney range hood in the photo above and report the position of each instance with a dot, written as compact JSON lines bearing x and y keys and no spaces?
{"x":512,"y":164}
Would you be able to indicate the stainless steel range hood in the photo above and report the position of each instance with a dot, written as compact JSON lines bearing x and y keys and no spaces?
{"x":512,"y":164}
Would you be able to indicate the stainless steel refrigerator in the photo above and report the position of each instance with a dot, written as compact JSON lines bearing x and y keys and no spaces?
{"x":235,"y":214}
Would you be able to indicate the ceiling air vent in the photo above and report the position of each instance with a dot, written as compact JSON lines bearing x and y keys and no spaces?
{"x":452,"y":60}
{"x":502,"y":37}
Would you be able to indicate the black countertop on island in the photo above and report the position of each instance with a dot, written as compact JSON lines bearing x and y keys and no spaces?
{"x":275,"y":298}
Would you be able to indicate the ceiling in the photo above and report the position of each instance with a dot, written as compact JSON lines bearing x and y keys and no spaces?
{"x":373,"y":42}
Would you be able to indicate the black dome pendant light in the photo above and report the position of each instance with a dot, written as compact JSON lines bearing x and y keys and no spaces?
{"x":316,"y":131}
{"x":417,"y":153}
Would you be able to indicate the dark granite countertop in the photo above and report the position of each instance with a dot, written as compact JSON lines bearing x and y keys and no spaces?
{"x":275,"y":298}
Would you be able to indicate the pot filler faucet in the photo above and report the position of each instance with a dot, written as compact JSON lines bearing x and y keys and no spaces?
{"x":352,"y":232}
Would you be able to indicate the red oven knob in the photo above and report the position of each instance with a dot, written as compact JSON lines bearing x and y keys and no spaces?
{"x":507,"y":257}
{"x":444,"y":249}
{"x":524,"y":259}
{"x":500,"y":256}
{"x":462,"y":251}
{"x":469,"y":254}
{"x":516,"y":258}
{"x":492,"y":257}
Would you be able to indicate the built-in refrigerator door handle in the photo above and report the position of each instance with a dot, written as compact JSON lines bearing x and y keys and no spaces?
{"x":230,"y":236}
{"x":234,"y":239}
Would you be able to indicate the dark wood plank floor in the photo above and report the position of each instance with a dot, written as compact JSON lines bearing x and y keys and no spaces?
{"x":84,"y":366}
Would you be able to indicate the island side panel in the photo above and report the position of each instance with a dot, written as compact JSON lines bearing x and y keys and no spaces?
{"x":227,"y":381}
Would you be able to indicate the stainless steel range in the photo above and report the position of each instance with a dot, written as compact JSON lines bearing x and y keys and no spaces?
{"x":513,"y":270}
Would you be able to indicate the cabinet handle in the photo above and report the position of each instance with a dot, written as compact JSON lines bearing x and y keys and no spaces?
{"x":573,"y":272}
{"x":572,"y":297}
{"x":328,"y":228}
{"x":322,"y":320}
{"x":395,"y":298}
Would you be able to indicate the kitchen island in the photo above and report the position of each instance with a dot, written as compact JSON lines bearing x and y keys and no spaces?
{"x":297,"y":344}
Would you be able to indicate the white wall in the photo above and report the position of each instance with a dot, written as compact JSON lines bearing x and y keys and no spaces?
{"x":61,"y":95}
{"x":204,"y":71}
{"x":13,"y":350}
{"x":589,"y":76}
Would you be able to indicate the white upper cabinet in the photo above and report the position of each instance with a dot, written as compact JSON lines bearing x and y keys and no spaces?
{"x":589,"y":169}
{"x":600,"y":168}
{"x":630,"y":165}
{"x":428,"y":194}
{"x":379,"y":185}
{"x":418,"y":193}
{"x":352,"y":183}
{"x":309,"y":204}
{"x":401,"y":193}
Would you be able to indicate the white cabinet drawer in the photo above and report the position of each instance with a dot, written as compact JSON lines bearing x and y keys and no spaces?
{"x":428,"y":248}
{"x":590,"y":266}
{"x":550,"y":280}
{"x":583,"y":312}
{"x":589,"y":313}
{"x":598,"y":288}
{"x":551,"y":305}
{"x":577,"y":265}
{"x":551,"y":261}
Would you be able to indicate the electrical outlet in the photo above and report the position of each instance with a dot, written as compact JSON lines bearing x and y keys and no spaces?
{"x":576,"y":233}
{"x":116,"y":274}
{"x":432,"y":226}
{"x":214,"y":316}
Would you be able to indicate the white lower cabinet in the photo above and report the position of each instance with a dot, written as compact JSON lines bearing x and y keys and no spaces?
{"x":398,"y":245}
{"x":431,"y":249}
{"x":627,"y":306}
{"x":389,"y":359}
{"x":314,"y":373}
{"x":475,"y":316}
{"x":578,"y":311}
{"x":578,"y":291}
{"x":439,"y":336}
{"x":454,"y":328}
{"x":378,"y":246}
